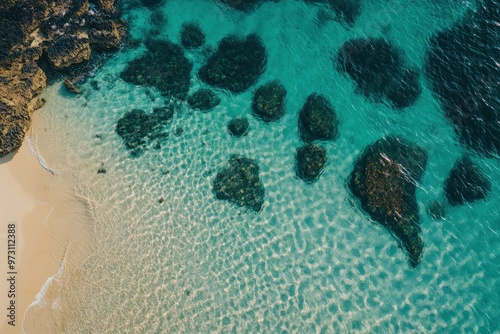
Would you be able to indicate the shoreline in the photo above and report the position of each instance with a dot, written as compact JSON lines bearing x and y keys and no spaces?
{"x":37,"y":254}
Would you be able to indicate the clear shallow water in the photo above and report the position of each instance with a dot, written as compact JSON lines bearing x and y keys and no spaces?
{"x":311,"y":260}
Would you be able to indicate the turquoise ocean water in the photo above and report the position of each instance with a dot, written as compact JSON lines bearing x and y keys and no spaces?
{"x":311,"y":261}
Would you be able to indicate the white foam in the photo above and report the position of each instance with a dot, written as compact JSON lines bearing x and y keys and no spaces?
{"x":34,"y":150}
{"x":39,"y":296}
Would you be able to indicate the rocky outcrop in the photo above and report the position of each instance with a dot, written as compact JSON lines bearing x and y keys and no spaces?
{"x":384,"y":180}
{"x":67,"y":51}
{"x":466,"y":183}
{"x":317,"y":119}
{"x":38,"y":31}
{"x":239,"y":183}
{"x":237,"y":63}
{"x":310,"y":160}
{"x":268,"y":101}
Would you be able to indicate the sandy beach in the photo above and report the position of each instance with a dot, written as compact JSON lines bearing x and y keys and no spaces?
{"x":37,"y":253}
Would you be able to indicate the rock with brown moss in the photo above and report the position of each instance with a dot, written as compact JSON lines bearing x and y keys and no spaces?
{"x":67,"y":51}
{"x":384,"y":179}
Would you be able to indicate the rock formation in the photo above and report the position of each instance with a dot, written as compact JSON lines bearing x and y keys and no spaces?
{"x":192,"y":36}
{"x":61,"y":33}
{"x":238,"y":126}
{"x":384,"y":180}
{"x":317,"y":119}
{"x":163,"y":66}
{"x":239,"y":183}
{"x":380,"y":71}
{"x":203,"y":99}
{"x":268,"y":101}
{"x":466,"y":183}
{"x":237,"y":63}
{"x":310,"y":160}
{"x":462,"y":69}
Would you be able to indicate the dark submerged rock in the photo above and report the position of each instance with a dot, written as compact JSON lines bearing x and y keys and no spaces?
{"x":161,"y":115}
{"x":310,"y":160}
{"x":158,"y":18}
{"x":151,"y":3}
{"x":203,"y":99}
{"x":138,"y":129}
{"x":317,"y":119}
{"x":237,"y":63}
{"x":238,"y":126}
{"x":268,"y":101}
{"x":245,"y":5}
{"x":384,"y":180}
{"x":192,"y":36}
{"x":163,"y":66}
{"x":346,"y":10}
{"x":379,"y":71}
{"x":239,"y":183}
{"x":435,"y":210}
{"x":133,"y":128}
{"x":462,"y":68}
{"x":466,"y":183}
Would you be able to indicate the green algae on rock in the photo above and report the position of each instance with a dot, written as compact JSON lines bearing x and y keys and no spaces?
{"x":384,"y":180}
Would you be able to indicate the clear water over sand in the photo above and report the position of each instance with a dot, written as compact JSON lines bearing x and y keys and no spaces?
{"x":311,"y":260}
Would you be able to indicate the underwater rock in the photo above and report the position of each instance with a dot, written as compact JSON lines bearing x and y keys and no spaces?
{"x":245,"y":5}
{"x":466,"y":183}
{"x":310,"y":159}
{"x":238,"y":126}
{"x":379,"y":71}
{"x":404,"y":93}
{"x":237,"y":63}
{"x":163,"y":66}
{"x":462,"y":69}
{"x":239,"y":183}
{"x":203,"y":99}
{"x":68,"y":50}
{"x":152,"y":3}
{"x":161,"y":115}
{"x":435,"y":210}
{"x":192,"y":36}
{"x":384,"y":180}
{"x":134,"y":127}
{"x":268,"y":101}
{"x":317,"y":119}
{"x":346,"y":10}
{"x":158,"y":18}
